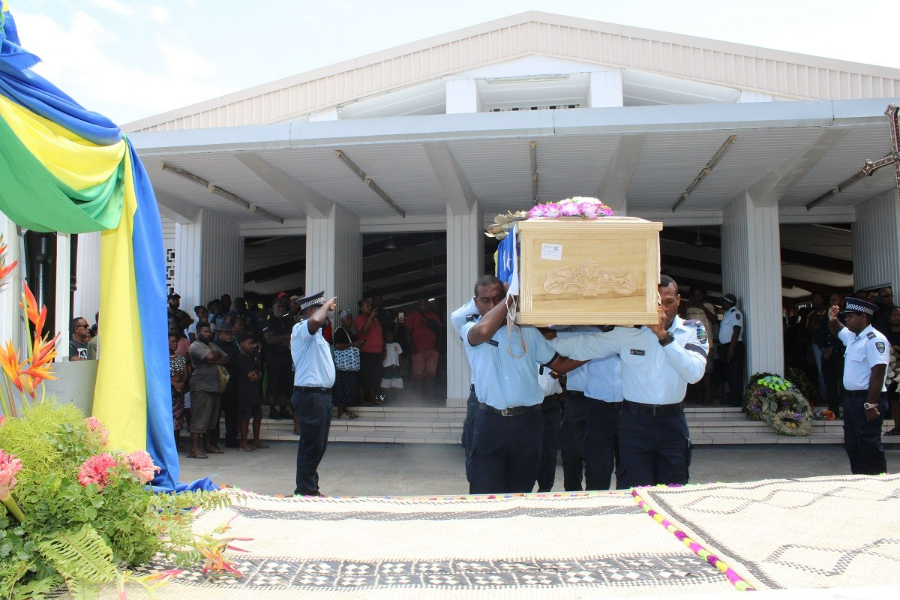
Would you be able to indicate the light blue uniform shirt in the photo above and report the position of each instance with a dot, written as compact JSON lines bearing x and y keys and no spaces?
{"x":468,"y":312}
{"x":864,"y":351}
{"x":651,"y":373}
{"x":313,"y":365}
{"x":501,"y":380}
{"x":600,"y":379}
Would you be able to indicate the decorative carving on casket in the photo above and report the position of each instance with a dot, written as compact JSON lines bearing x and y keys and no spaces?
{"x":590,"y":280}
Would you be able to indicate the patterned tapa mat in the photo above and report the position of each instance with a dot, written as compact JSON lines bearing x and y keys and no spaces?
{"x":790,"y":533}
{"x":587,"y":545}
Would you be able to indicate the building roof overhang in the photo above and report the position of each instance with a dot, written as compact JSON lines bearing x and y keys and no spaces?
{"x":789,"y":153}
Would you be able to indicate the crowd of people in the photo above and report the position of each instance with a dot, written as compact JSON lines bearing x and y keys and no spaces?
{"x":610,"y":399}
{"x":233,"y":359}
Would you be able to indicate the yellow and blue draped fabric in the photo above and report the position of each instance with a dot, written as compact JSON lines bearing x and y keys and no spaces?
{"x":66,"y":169}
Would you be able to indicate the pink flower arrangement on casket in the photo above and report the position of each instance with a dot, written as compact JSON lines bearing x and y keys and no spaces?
{"x":579,"y":206}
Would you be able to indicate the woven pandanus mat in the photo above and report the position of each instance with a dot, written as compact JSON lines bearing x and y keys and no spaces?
{"x":587,"y":545}
{"x":789,"y":533}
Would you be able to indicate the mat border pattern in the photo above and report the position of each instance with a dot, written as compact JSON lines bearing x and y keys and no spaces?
{"x":736,"y":580}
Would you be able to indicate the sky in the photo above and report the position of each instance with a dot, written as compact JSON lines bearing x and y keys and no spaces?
{"x":131,"y":60}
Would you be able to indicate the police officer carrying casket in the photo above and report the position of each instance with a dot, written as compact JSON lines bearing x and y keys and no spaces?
{"x":865,"y":399}
{"x":657,"y":364}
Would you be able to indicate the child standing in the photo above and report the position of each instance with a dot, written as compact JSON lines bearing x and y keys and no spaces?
{"x":248,"y":387}
{"x":391,"y":377}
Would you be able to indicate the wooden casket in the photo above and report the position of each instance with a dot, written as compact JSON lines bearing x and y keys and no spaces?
{"x":576,"y":271}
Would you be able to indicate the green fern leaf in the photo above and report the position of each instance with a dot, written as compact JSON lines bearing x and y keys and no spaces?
{"x":80,"y":555}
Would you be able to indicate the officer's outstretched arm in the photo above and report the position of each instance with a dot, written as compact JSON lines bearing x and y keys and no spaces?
{"x":488,"y":325}
{"x":588,"y":346}
{"x":689,"y":361}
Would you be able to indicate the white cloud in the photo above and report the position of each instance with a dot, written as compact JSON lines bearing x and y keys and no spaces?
{"x":160,"y":14}
{"x":75,"y":58}
{"x":115,"y":6}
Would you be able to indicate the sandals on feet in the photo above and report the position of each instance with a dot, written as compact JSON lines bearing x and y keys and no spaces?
{"x":197,"y":456}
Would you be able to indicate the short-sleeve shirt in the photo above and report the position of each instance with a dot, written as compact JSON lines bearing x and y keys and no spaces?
{"x":205,"y":377}
{"x":864,"y":351}
{"x":373,"y":340}
{"x":423,"y":337}
{"x":506,"y":377}
{"x":313,"y":365}
{"x":78,"y":349}
{"x":277,"y":326}
{"x":392,"y":354}
{"x":731,"y":318}
{"x":249,"y":393}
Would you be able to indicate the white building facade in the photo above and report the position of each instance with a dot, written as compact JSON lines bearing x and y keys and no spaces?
{"x":444,"y":133}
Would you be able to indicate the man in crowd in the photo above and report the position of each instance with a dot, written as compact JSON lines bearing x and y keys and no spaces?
{"x":314,"y":374}
{"x":884,"y":298}
{"x":277,"y":335}
{"x":507,"y":431}
{"x":702,"y":310}
{"x":865,"y":398}
{"x":174,"y":302}
{"x":816,"y":325}
{"x":425,"y":328}
{"x":731,"y":349}
{"x":78,"y":344}
{"x":206,"y":358}
{"x":832,"y":360}
{"x":657,"y":364}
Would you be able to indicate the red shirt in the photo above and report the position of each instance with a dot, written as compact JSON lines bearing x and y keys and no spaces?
{"x":373,"y":341}
{"x":423,"y":338}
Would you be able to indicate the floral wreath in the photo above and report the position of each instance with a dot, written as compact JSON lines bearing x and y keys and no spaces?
{"x":786,"y":422}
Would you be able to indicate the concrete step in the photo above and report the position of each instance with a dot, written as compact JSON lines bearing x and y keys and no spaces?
{"x":432,"y":425}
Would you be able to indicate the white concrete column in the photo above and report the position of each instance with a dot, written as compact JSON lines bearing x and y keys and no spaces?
{"x":210,"y":259}
{"x":326,"y":115}
{"x":876,"y":242}
{"x":64,"y":291}
{"x":11,"y":292}
{"x":86,"y":301}
{"x":462,"y":96}
{"x":605,"y":89}
{"x":754,"y":97}
{"x":334,"y":257}
{"x":751,"y":270}
{"x":465,"y":264}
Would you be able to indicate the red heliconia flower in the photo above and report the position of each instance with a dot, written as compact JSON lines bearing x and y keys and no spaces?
{"x":37,"y":316}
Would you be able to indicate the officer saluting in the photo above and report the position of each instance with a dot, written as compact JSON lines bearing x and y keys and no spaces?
{"x":865,"y":399}
{"x":657,"y":364}
{"x":314,"y":375}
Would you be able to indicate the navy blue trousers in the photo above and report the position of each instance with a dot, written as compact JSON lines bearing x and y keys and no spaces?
{"x":471,"y":408}
{"x":313,"y":410}
{"x":862,"y":437}
{"x":506,"y":452}
{"x":571,"y":440}
{"x":552,"y":411}
{"x":653,"y":450}
{"x":601,"y":443}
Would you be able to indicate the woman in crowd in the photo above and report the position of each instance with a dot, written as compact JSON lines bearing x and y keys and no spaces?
{"x":346,"y":384}
{"x":180,"y":374}
{"x":370,"y":353}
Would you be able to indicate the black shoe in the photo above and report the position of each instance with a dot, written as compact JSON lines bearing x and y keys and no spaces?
{"x":273,"y":414}
{"x":232,"y":445}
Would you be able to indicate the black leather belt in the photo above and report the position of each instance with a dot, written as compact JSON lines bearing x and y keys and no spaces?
{"x":860,"y":393}
{"x":514,"y":411}
{"x":654,"y":410}
{"x":313,"y":390}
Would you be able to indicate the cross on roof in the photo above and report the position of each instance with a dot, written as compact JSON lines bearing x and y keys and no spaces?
{"x":893,"y":157}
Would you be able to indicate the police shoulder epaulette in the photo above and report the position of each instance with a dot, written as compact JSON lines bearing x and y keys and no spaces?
{"x":694,"y":322}
{"x":870,"y":335}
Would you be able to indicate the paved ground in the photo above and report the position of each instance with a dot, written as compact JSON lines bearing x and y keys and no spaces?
{"x":350,"y":469}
